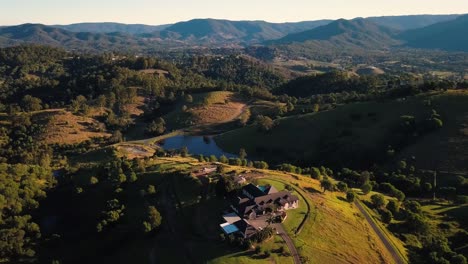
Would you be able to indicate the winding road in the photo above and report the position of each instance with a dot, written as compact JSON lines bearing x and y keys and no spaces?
{"x":292,"y":248}
{"x":383,"y":237}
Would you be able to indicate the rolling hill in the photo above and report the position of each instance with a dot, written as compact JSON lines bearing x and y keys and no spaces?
{"x":46,"y":35}
{"x":358,"y":135}
{"x":450,"y":35}
{"x":410,"y":22}
{"x":359,"y":33}
{"x":109,"y":27}
{"x":216,"y":30}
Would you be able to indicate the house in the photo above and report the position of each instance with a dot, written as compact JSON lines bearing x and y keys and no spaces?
{"x":251,"y":203}
{"x":259,"y":200}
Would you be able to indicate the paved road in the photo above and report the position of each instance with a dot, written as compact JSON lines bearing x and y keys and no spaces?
{"x":292,"y":248}
{"x":398,"y":259}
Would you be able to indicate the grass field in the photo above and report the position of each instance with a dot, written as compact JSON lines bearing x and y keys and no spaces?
{"x":206,"y":109}
{"x":63,"y":127}
{"x":355,"y":134}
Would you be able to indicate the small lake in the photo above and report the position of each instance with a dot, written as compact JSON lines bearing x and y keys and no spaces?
{"x":204,"y":145}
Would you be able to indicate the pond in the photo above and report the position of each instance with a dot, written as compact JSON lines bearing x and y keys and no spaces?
{"x":196,"y":145}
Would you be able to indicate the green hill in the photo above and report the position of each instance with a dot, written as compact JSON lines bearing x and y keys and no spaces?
{"x":358,"y":135}
{"x":359,"y":33}
{"x":451,"y":35}
{"x":220,"y":30}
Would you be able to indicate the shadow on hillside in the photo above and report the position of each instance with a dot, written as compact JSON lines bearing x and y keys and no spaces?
{"x":312,"y":190}
{"x":341,"y":198}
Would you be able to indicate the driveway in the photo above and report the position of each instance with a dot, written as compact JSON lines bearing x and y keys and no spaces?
{"x":292,"y":248}
{"x":398,"y":259}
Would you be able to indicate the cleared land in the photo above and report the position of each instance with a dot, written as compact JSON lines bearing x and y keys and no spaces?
{"x":63,"y":127}
{"x":206,"y":109}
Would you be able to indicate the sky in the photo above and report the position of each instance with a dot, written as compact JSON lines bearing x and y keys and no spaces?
{"x":157,"y":12}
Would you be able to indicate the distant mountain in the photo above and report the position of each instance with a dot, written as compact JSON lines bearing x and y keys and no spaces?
{"x":45,"y":35}
{"x":410,"y":22}
{"x":216,"y":30}
{"x":451,"y":35}
{"x":356,"y":33}
{"x":107,"y":27}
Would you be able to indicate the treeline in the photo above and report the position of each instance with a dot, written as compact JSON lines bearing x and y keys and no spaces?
{"x":378,"y":86}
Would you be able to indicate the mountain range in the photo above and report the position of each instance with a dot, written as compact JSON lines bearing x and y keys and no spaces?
{"x":109,"y":27}
{"x":446,"y":32}
{"x":346,"y":33}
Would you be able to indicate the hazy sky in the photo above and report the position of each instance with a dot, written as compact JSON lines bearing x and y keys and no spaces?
{"x":169,"y":11}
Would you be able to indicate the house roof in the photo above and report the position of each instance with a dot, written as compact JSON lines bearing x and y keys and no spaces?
{"x":245,"y":228}
{"x":270,"y":189}
{"x":253,"y":190}
{"x":276,"y":197}
{"x":231,"y":218}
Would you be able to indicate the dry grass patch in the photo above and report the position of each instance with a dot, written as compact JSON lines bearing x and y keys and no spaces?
{"x":63,"y":127}
{"x":132,"y":151}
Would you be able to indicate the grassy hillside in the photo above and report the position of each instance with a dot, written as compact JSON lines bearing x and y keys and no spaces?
{"x":206,"y":109}
{"x":190,"y":230}
{"x":359,"y":134}
{"x":63,"y":127}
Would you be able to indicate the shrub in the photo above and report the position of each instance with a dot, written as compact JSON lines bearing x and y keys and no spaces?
{"x":366,"y":188}
{"x":350,"y":196}
{"x":386,"y":216}
{"x":378,"y":200}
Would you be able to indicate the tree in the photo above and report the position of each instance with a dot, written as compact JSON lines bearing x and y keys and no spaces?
{"x":378,"y":200}
{"x":188,"y":98}
{"x":350,"y":196}
{"x":386,"y":216}
{"x":133,"y":177}
{"x":242,"y":153}
{"x":413,"y":207}
{"x":184,"y":151}
{"x":116,"y":137}
{"x":315,"y":173}
{"x":151,"y":189}
{"x":156,"y":127}
{"x":416,"y":223}
{"x":393,"y":206}
{"x":223,"y":159}
{"x":342,"y":186}
{"x":265,"y":123}
{"x":327,"y":185}
{"x":399,"y":195}
{"x":93,"y":180}
{"x":30,"y":103}
{"x":366,"y":188}
{"x":427,"y":187}
{"x":153,"y":219}
{"x":101,"y":101}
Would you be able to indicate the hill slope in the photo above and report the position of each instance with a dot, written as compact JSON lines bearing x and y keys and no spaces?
{"x":410,"y":22}
{"x":108,"y":27}
{"x":450,"y":35}
{"x":216,"y":30}
{"x":45,"y":35}
{"x":359,"y":33}
{"x":358,"y":135}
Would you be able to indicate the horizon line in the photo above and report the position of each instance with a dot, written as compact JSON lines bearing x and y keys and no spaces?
{"x":225,"y":19}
